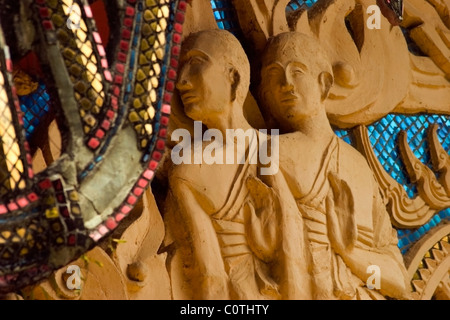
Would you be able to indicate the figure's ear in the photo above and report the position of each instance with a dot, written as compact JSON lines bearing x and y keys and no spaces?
{"x":234,"y":79}
{"x":326,"y":81}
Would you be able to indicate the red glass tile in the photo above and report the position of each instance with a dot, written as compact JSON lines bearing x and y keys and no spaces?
{"x":129,"y":11}
{"x":128,"y":22}
{"x":148,"y":174}
{"x":167,"y":97}
{"x":182,"y":5}
{"x":22,"y":202}
{"x":100,"y":133}
{"x":118,"y":79}
{"x":172,"y":74}
{"x":153,"y":165}
{"x":3,"y":209}
{"x":12,"y":206}
{"x":164,"y":121}
{"x":138,"y":191}
{"x":178,"y":28}
{"x":32,"y":197}
{"x":166,"y":108}
{"x":131,"y":200}
{"x":156,"y":155}
{"x":176,"y":38}
{"x":126,"y":34}
{"x":142,"y":183}
{"x":122,"y":57}
{"x":124,"y":45}
{"x":110,"y":114}
{"x":174,"y":63}
{"x":179,"y":17}
{"x":106,"y":125}
{"x":43,"y":12}
{"x":111,"y":224}
{"x":119,"y":217}
{"x":93,"y":143}
{"x":160,"y":144}
{"x":48,"y":25}
{"x":120,"y":67}
{"x":71,"y":240}
{"x":45,"y":184}
{"x":163,"y":133}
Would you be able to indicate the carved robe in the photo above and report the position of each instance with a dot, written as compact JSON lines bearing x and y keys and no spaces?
{"x":221,"y":252}
{"x":346,"y":234}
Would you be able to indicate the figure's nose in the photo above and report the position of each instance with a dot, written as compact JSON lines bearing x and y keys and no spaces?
{"x":287,"y":84}
{"x":184,"y":82}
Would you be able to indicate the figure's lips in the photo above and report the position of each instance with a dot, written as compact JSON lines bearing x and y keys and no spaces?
{"x":288,"y":98}
{"x":189,"y":97}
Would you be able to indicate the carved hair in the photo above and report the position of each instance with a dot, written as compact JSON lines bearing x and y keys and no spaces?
{"x":227,"y":50}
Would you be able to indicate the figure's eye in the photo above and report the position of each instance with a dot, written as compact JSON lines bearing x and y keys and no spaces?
{"x":273,"y":72}
{"x":296,"y":71}
{"x":196,"y":60}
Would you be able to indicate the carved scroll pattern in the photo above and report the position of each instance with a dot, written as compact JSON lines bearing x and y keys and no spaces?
{"x":428,"y":264}
{"x":428,"y":186}
{"x":405,"y":212}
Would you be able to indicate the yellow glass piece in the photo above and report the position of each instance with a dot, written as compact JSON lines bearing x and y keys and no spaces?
{"x":99,"y":101}
{"x":160,"y":53}
{"x":162,"y":39}
{"x":165,"y":11}
{"x":24,"y":251}
{"x":6,"y":234}
{"x":81,"y":35}
{"x":83,"y":26}
{"x":154,"y":81}
{"x":2,"y":241}
{"x":151,"y":112}
{"x":59,"y":240}
{"x":144,"y":115}
{"x":163,"y":24}
{"x":153,"y":96}
{"x":91,"y":67}
{"x":138,"y":128}
{"x":149,"y":128}
{"x":137,"y":103}
{"x":97,"y":85}
{"x":157,"y":69}
{"x":52,"y":213}
{"x":10,"y":146}
{"x":21,"y":232}
{"x":87,"y":59}
{"x":75,"y":210}
{"x":73,"y":196}
{"x":15,"y":239}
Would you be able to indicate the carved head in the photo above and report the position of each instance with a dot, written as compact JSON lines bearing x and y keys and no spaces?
{"x":296,"y":77}
{"x":214,"y":74}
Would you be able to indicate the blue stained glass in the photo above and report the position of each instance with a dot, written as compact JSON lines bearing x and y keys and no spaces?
{"x":297,"y":4}
{"x":225,"y":16}
{"x":34,"y":107}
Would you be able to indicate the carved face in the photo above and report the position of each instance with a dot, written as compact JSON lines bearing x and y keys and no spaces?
{"x":291,"y":88}
{"x":204,"y":83}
